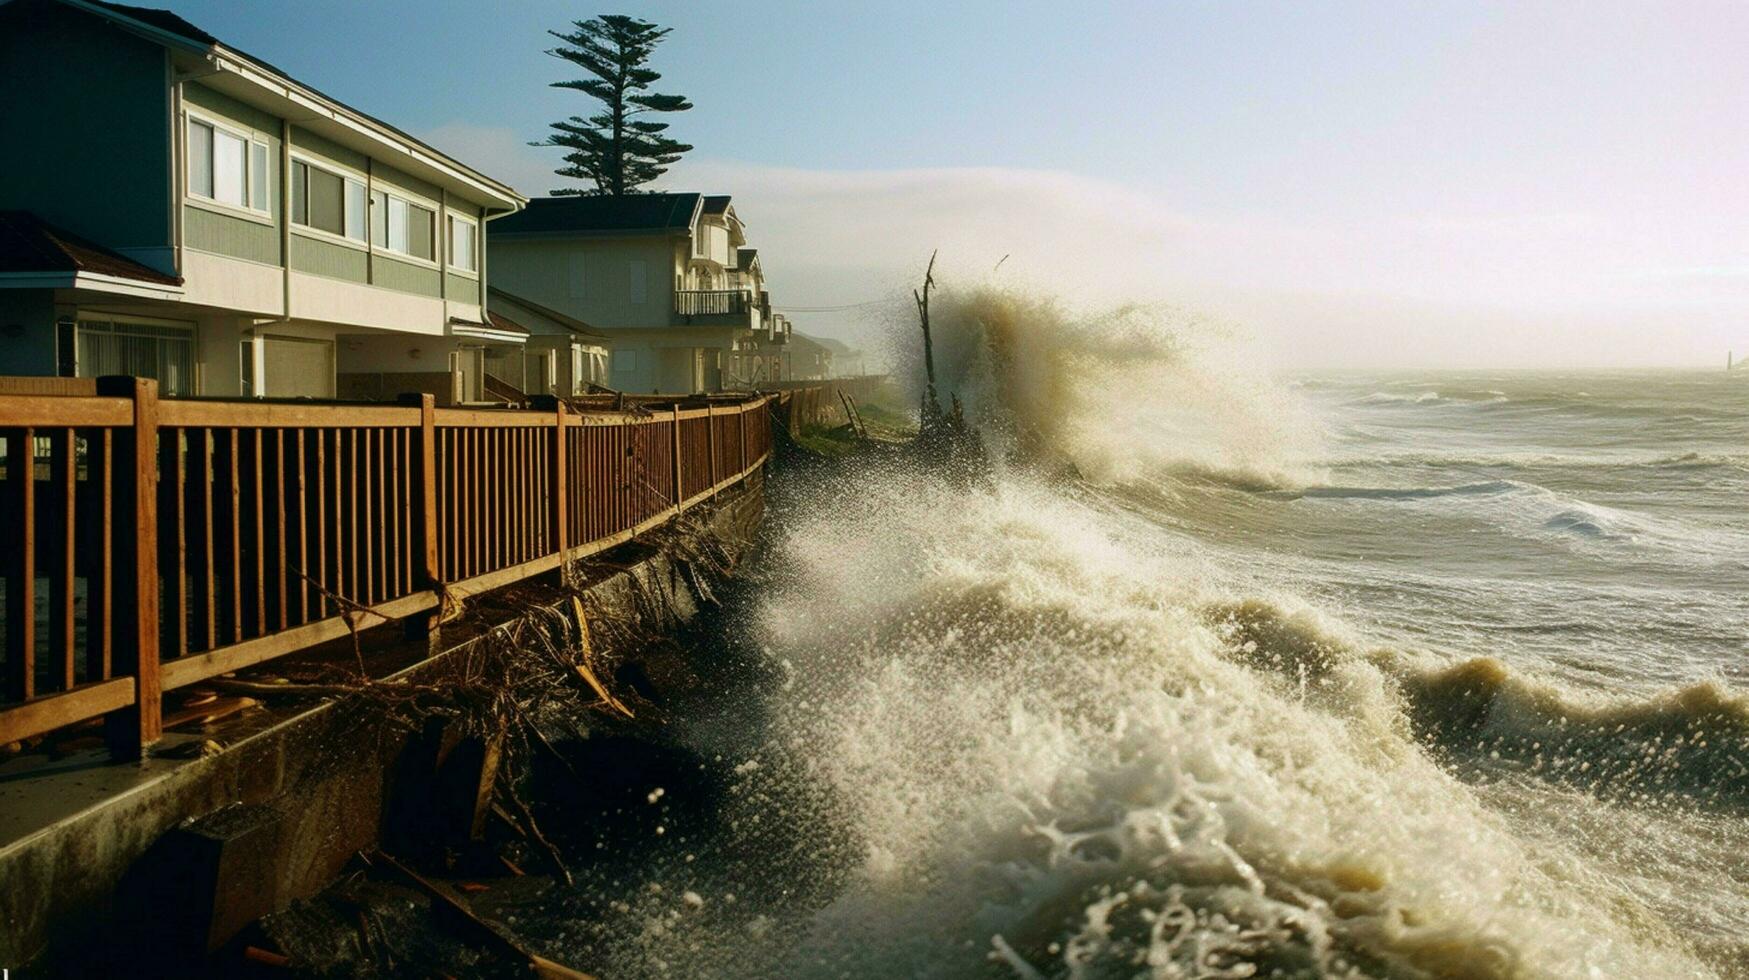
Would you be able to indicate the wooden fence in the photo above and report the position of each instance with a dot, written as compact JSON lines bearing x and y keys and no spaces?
{"x":150,"y":544}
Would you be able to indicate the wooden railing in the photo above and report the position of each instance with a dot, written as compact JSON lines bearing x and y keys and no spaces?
{"x":179,"y":540}
{"x":706,"y":302}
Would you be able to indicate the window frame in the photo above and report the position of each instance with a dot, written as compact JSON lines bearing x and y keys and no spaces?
{"x":262,"y":214}
{"x":392,"y":193}
{"x":473,"y":224}
{"x":347,"y":176}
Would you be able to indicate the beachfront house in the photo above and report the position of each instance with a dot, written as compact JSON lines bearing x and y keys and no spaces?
{"x":564,"y":355}
{"x":666,"y":278}
{"x":173,"y":208}
{"x":810,"y":358}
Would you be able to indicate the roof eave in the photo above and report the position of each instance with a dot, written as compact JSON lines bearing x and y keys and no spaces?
{"x":93,"y":281}
{"x":590,"y":233}
{"x":490,"y":192}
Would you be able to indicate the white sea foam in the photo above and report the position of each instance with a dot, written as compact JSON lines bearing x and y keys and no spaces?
{"x":1040,"y":736}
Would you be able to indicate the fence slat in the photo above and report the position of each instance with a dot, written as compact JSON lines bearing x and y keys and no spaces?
{"x":62,"y":620}
{"x":21,"y":577}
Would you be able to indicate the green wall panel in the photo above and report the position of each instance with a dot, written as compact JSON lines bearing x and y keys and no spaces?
{"x":328,"y":259}
{"x":405,"y":276}
{"x":226,"y":234}
{"x":464,"y":290}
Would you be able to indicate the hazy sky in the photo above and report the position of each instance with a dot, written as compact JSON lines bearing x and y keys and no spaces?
{"x":1357,"y":183}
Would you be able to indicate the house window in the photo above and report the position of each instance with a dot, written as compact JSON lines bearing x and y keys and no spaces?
{"x":399,"y":225}
{"x":462,"y":234}
{"x":327,"y":201}
{"x":397,"y":241}
{"x":226,"y":167}
{"x":421,"y":232}
{"x":143,"y":349}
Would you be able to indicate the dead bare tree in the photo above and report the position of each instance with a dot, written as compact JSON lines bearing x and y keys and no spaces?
{"x":931,"y":405}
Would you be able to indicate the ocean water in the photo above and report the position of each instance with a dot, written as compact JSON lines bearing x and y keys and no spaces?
{"x":1232,"y":674}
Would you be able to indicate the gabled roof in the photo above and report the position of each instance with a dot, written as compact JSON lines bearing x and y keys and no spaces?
{"x":30,"y":244}
{"x":166,"y":28}
{"x":745,"y":257}
{"x":570,"y":323}
{"x":800,"y":339}
{"x":601,"y":214}
{"x":716,"y":204}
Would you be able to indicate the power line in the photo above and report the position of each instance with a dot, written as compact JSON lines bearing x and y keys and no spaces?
{"x":831,"y":309}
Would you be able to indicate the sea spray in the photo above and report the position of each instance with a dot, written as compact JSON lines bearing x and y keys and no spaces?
{"x":1178,"y":718}
{"x":1125,"y":392}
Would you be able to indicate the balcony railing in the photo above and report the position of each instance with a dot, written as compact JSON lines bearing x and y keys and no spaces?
{"x":712,"y":302}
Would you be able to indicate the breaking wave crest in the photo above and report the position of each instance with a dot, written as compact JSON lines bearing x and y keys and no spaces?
{"x":1691,"y":743}
{"x":1136,"y":391}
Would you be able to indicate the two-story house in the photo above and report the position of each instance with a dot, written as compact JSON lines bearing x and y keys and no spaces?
{"x":662,"y":276}
{"x":173,"y":208}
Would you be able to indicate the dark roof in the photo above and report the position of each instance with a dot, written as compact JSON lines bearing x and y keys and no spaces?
{"x":30,"y":244}
{"x":570,"y":323}
{"x":598,"y":213}
{"x":163,"y":20}
{"x":744,"y":258}
{"x":716,"y":204}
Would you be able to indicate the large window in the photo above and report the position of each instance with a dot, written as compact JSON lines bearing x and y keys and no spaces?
{"x":226,"y":167}
{"x":399,"y":225}
{"x":462,"y":236}
{"x":140,"y":348}
{"x":327,"y":201}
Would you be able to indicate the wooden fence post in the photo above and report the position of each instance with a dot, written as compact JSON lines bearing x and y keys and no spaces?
{"x":561,"y":489}
{"x":741,"y":420}
{"x":133,"y":729}
{"x":710,"y":446}
{"x":426,"y":527}
{"x":679,"y":491}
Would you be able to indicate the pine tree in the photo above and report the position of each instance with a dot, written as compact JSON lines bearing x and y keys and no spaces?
{"x":616,"y":150}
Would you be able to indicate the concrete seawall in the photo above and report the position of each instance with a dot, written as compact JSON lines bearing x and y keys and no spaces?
{"x":219,"y":826}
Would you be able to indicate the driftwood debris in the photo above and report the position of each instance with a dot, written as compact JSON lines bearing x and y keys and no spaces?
{"x":476,"y":929}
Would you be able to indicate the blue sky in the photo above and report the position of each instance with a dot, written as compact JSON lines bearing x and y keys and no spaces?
{"x":1366,"y":183}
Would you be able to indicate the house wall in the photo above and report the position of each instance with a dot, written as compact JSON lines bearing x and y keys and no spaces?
{"x":27,"y":331}
{"x":593,"y":279}
{"x":86,"y":150}
{"x":218,"y":230}
{"x":680,"y":360}
{"x":233,"y":258}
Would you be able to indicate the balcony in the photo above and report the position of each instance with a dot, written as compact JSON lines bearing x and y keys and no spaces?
{"x":713,"y":302}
